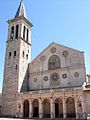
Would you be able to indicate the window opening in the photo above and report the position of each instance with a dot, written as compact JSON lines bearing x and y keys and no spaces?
{"x":12,"y":32}
{"x":9,"y":54}
{"x":27,"y":35}
{"x":27,"y":56}
{"x":23,"y":54}
{"x":14,"y":53}
{"x":17,"y":28}
{"x":24,"y":32}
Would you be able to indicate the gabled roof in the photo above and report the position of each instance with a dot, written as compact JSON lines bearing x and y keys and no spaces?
{"x":56,"y":44}
{"x":21,"y":10}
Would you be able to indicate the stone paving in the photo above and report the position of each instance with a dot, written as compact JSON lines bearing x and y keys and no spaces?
{"x":16,"y":119}
{"x":43,"y":119}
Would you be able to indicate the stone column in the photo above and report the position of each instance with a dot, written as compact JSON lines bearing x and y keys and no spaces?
{"x":19,"y":113}
{"x":20,"y":31}
{"x":30,"y":109}
{"x":52,"y":105}
{"x":84,"y":107}
{"x":21,"y":27}
{"x":64,"y":109}
{"x":29,"y":36}
{"x":40,"y":109}
{"x":76,"y":109}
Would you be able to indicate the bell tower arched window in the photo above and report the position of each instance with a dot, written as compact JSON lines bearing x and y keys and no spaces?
{"x":12,"y":30}
{"x":27,"y":35}
{"x":17,"y":30}
{"x":24,"y":30}
{"x":54,"y":62}
{"x":12,"y":33}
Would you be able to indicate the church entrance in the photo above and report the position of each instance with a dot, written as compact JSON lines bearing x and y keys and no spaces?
{"x":46,"y":108}
{"x":70,"y":104}
{"x":35,"y":108}
{"x":58,"y":108}
{"x":26,"y":109}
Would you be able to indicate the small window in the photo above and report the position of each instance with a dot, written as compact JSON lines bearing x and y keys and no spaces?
{"x":64,"y":76}
{"x":17,"y":30}
{"x":76,"y":74}
{"x":35,"y":79}
{"x":9,"y":54}
{"x":14,"y":53}
{"x":46,"y":78}
{"x":27,"y":56}
{"x":23,"y":54}
{"x":16,"y":67}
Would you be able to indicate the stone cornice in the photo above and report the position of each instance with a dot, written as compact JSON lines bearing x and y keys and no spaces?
{"x":18,"y":18}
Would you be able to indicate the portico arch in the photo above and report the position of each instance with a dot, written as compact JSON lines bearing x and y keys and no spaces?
{"x":26,"y":109}
{"x":70,"y":106}
{"x":46,"y":108}
{"x":58,"y":108}
{"x":35,"y":108}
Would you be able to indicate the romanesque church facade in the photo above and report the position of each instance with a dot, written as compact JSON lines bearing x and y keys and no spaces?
{"x":53,"y":85}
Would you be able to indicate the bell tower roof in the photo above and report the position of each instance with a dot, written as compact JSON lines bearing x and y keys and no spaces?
{"x":21,"y":10}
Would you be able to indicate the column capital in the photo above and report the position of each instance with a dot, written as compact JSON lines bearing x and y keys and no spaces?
{"x":40,"y":100}
{"x":52,"y":100}
{"x":31,"y":101}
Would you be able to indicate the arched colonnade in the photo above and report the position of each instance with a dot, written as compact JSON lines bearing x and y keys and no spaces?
{"x":52,"y":108}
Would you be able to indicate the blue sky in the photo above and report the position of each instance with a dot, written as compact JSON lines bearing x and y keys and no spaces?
{"x":66,"y":22}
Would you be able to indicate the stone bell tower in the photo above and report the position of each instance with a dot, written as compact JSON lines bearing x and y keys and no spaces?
{"x":17,"y":58}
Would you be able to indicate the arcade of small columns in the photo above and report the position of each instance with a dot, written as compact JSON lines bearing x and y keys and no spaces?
{"x":52,"y":104}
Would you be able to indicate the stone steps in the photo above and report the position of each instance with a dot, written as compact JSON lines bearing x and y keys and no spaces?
{"x":40,"y":119}
{"x":55,"y":119}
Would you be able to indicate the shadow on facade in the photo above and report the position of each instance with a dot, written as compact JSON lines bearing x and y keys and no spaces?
{"x":25,"y":84}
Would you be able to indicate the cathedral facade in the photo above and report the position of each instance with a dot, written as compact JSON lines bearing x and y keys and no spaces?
{"x":53,"y":85}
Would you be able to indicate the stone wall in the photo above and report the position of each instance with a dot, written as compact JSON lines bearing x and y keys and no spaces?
{"x":71,"y":71}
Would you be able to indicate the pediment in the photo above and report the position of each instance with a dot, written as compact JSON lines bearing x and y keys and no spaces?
{"x":55,"y":48}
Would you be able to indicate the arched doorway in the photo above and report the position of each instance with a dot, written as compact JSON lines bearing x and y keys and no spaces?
{"x":26,"y":109}
{"x":46,"y":108}
{"x":35,"y":108}
{"x":58,"y":108}
{"x":70,"y":105}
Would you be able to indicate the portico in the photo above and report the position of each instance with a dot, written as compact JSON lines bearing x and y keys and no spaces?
{"x":53,"y":105}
